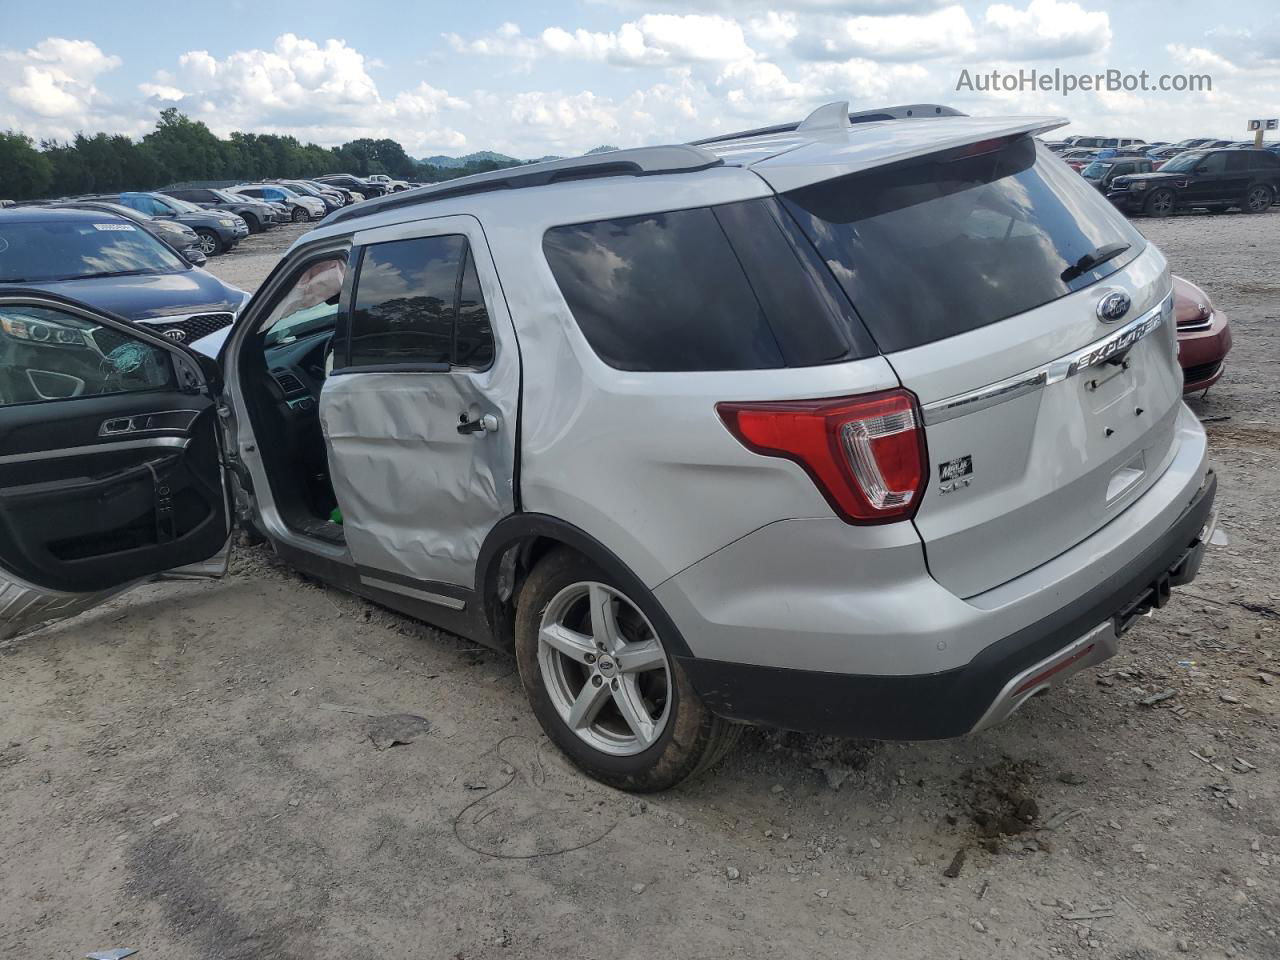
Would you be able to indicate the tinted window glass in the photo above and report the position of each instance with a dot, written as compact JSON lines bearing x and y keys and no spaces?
{"x":1238,"y":162}
{"x":52,"y":355}
{"x":662,"y":291}
{"x":811,"y":319}
{"x":473,"y":338}
{"x":1213,"y":163}
{"x":935,"y":247}
{"x":105,"y":245}
{"x":404,"y":301}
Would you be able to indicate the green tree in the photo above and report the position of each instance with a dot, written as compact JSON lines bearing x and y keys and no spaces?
{"x":25,"y":172}
{"x":186,"y":148}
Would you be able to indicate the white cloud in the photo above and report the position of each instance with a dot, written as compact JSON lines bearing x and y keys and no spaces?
{"x":1046,"y":29}
{"x":506,"y":41}
{"x":943,"y":33}
{"x":314,"y":91}
{"x":658,"y":39}
{"x":774,"y":29}
{"x":1198,"y":58}
{"x":54,"y":83}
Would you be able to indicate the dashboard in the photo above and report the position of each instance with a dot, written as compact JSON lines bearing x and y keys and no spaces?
{"x":297,"y":369}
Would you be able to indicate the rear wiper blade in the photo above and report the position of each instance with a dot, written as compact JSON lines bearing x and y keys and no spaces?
{"x":1095,"y":259}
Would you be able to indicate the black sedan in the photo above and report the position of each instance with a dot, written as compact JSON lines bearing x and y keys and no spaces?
{"x":177,"y":235}
{"x":112,"y":263}
{"x":256,"y":214}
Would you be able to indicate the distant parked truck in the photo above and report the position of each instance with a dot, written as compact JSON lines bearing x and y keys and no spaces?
{"x":391,"y":185}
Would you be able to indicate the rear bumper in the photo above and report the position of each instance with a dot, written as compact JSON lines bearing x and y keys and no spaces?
{"x":987,"y":689}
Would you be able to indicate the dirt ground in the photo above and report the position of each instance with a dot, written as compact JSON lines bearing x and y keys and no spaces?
{"x":204,"y":771}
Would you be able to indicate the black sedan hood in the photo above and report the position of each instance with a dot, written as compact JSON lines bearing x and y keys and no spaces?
{"x":151,"y":295}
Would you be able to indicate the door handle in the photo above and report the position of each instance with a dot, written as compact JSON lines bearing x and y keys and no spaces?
{"x":486,"y":424}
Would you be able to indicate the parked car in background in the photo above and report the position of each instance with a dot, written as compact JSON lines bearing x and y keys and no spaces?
{"x":301,"y":207}
{"x":348,"y":196}
{"x":177,"y":235}
{"x":849,"y":449}
{"x":219,"y":231}
{"x":1208,"y":179}
{"x":111,"y":263}
{"x":1192,"y":142}
{"x":1163,"y":155}
{"x":363,"y":187}
{"x":1078,"y":159}
{"x":1204,"y":336}
{"x":257,"y":214}
{"x":1102,"y":171}
{"x":332,"y":201}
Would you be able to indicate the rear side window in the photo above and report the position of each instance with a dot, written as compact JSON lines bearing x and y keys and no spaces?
{"x":719,"y":288}
{"x":931,"y":248}
{"x":1238,"y":162}
{"x":418,"y":302}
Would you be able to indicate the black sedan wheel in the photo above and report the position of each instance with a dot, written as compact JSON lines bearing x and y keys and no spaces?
{"x":210,"y":242}
{"x":252,"y":222}
{"x":1159,"y":203}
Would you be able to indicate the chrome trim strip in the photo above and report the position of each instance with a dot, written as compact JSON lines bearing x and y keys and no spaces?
{"x":451,"y":602}
{"x":1097,"y":645}
{"x":174,"y":442}
{"x":1055,"y":371}
{"x":133,"y":431}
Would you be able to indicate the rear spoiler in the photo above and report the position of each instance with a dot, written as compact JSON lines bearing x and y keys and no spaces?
{"x":838,"y":153}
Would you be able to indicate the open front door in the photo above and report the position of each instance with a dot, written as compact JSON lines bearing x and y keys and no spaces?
{"x":110,"y":458}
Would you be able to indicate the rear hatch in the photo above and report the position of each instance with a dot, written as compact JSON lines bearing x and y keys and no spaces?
{"x":1033,"y":323}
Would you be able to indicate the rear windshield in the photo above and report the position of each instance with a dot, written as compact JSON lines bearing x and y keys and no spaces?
{"x":75,"y":249}
{"x":935,"y":247}
{"x":732,"y":287}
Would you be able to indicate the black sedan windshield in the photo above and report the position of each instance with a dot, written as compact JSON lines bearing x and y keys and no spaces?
{"x":35,"y":252}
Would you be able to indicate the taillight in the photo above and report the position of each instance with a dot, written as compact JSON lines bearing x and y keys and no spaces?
{"x":866,"y":454}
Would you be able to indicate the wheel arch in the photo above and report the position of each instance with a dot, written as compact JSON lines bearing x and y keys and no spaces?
{"x":518,"y":541}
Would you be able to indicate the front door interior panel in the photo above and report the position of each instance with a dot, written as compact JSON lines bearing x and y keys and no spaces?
{"x":97,"y":491}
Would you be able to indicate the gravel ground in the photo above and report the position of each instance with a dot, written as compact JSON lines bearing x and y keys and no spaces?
{"x":202,"y":771}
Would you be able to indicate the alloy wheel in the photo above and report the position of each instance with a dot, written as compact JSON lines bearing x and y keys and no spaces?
{"x":1259,"y":199}
{"x":604,"y":668}
{"x":208,"y":244}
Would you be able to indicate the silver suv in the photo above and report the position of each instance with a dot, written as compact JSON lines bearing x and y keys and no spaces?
{"x":868,"y":425}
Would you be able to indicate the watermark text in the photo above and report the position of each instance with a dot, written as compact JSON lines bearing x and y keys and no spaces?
{"x":1032,"y":80}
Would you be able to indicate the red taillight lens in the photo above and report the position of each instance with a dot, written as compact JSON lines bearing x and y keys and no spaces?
{"x":866,"y":454}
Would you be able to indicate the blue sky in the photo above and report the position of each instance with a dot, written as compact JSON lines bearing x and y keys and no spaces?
{"x":537,"y":78}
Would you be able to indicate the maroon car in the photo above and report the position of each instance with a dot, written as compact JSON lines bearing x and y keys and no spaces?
{"x":1204,"y":336}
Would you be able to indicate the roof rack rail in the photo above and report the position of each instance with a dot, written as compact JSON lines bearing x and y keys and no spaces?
{"x":637,"y":162}
{"x":824,"y":117}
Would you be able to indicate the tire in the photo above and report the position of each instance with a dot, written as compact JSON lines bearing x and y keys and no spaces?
{"x":682,"y":738}
{"x":210,"y":242}
{"x":299,"y":215}
{"x":1159,"y":203}
{"x":252,"y":222}
{"x":1258,"y":199}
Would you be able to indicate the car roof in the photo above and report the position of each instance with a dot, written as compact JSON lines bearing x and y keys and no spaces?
{"x":830,"y":142}
{"x":53,"y":214}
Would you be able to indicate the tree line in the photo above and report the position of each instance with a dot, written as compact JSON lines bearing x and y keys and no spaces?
{"x":181,"y":149}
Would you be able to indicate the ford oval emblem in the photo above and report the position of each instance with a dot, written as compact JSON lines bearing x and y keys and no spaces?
{"x":1113,"y":306}
{"x":178,"y":335}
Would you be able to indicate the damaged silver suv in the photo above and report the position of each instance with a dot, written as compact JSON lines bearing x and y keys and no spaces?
{"x":870,"y":425}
